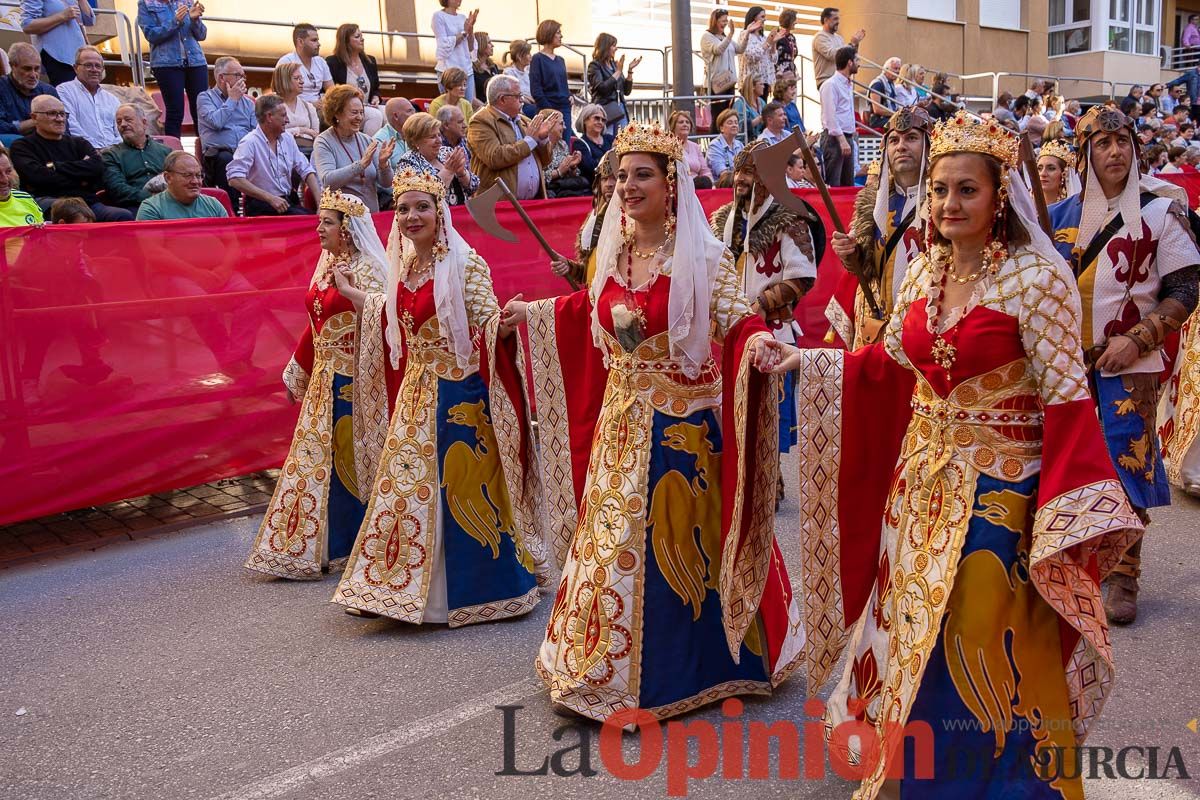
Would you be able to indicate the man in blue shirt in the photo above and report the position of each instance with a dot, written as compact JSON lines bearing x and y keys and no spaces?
{"x":226,"y":115}
{"x":17,"y":90}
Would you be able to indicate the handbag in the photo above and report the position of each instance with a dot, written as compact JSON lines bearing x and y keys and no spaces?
{"x":723,"y":82}
{"x":614,"y":111}
{"x":704,"y":118}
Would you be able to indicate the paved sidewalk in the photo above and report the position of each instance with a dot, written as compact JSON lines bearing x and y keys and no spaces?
{"x":90,"y":528}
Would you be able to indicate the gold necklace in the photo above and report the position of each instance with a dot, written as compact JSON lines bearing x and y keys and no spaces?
{"x":647,"y":256}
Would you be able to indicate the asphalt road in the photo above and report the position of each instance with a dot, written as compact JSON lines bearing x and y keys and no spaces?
{"x":160,"y":669}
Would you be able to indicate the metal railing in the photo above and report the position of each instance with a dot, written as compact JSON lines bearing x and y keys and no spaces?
{"x":1180,"y":58}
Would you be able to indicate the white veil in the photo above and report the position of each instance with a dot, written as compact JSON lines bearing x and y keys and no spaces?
{"x":449,"y":277}
{"x":694,"y":263}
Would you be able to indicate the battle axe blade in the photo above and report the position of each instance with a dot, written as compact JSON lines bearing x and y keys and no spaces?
{"x":482,"y":208}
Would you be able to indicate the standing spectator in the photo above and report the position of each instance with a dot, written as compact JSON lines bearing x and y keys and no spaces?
{"x":785,"y":46}
{"x":182,"y":199}
{"x":837,"y":117}
{"x":548,"y":72}
{"x":748,"y":106}
{"x":317,"y":77}
{"x":226,"y":115}
{"x":55,"y":28}
{"x":345,"y":157}
{"x":454,"y":141}
{"x":456,"y":46}
{"x":303,"y":122}
{"x":19,"y":88}
{"x":16,"y":207}
{"x":774,"y":123}
{"x":268,"y":164}
{"x":484,"y":66}
{"x":882,"y":93}
{"x":1191,"y":35}
{"x":397,"y":111}
{"x":719,"y":49}
{"x":54,"y":164}
{"x":723,"y":149}
{"x":350,"y":64}
{"x":518,"y":58}
{"x":784,"y":93}
{"x":563,"y":178}
{"x":132,"y":162}
{"x":758,"y":50}
{"x":506,"y":145}
{"x":828,"y":41}
{"x":609,"y":81}
{"x":593,"y":142}
{"x":174,"y":29}
{"x":456,"y":82}
{"x":680,"y":123}
{"x":93,"y":110}
{"x":1003,"y":110}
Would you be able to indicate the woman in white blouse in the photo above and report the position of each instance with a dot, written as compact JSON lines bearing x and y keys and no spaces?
{"x":456,"y":45}
{"x":518,"y":58}
{"x":303,"y":122}
{"x":758,"y":50}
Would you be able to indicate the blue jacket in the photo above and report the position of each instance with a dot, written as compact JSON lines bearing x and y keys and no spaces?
{"x":172,"y":44}
{"x":1192,"y":79}
{"x":14,"y":106}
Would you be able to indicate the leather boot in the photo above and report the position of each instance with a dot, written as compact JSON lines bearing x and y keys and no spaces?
{"x":1120,"y":603}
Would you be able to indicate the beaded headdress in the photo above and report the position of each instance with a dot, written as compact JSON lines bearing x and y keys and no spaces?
{"x":409,"y":180}
{"x":638,"y":138}
{"x":1102,"y":119}
{"x":964,"y":133}
{"x":909,"y":118}
{"x":1060,"y":149}
{"x":347,"y":204}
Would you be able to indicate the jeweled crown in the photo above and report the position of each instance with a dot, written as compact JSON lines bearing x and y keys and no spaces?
{"x":409,"y":180}
{"x":1060,"y":149}
{"x":638,"y":138}
{"x":964,"y":133}
{"x":345,"y":203}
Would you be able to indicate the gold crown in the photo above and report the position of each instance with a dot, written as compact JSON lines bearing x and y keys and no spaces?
{"x":1060,"y":149}
{"x":637,"y":138}
{"x":966,"y":134}
{"x":874,"y":167}
{"x":409,"y":180}
{"x":345,"y":203}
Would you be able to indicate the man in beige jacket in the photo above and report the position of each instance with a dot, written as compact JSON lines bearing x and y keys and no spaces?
{"x":506,"y":145}
{"x":828,"y":41}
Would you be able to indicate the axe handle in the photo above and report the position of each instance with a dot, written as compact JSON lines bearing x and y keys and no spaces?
{"x":815,"y":174}
{"x":1035,"y":185}
{"x":550,"y":251}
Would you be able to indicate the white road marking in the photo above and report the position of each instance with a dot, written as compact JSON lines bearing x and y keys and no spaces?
{"x":330,"y":764}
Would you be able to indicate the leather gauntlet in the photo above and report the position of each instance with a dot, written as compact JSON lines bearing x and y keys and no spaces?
{"x":778,"y":301}
{"x":1166,"y":318}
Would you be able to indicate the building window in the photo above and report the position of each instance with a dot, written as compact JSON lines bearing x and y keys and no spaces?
{"x":1000,"y":14}
{"x":1070,"y":27}
{"x":933,"y":9}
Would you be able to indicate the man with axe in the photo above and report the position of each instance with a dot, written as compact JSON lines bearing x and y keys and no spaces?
{"x":777,"y":247}
{"x":885,"y":233}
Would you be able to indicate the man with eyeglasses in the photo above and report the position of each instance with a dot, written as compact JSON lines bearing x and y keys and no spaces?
{"x":93,"y":110}
{"x":504,"y":144}
{"x":54,"y":164}
{"x":226,"y":115}
{"x":130,"y":165}
{"x":182,"y":199}
{"x":18,"y":88}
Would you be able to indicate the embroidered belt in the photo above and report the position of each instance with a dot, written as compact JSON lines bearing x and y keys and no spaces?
{"x":429,"y":349}
{"x":650,"y":372}
{"x":336,"y":341}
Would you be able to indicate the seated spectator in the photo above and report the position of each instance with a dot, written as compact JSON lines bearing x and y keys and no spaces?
{"x":797,"y":173}
{"x":454,"y":139}
{"x":1155,"y":157}
{"x":19,"y":87}
{"x":455,"y":82}
{"x":93,"y":110}
{"x":784,"y":92}
{"x":562,"y":173}
{"x":680,"y":123}
{"x":56,"y":30}
{"x":70,"y":211}
{"x":351,"y":65}
{"x":16,"y":207}
{"x":317,"y":77}
{"x":267,"y":164}
{"x":303,"y":122}
{"x":182,"y":199}
{"x":518,"y":57}
{"x":226,"y":115}
{"x":1175,"y":159}
{"x":1191,"y":159}
{"x":748,"y":105}
{"x":593,"y":142}
{"x":133,"y":162}
{"x":175,"y":31}
{"x":54,"y":164}
{"x":882,"y":93}
{"x":345,"y":157}
{"x":1034,"y":123}
{"x":428,"y":154}
{"x":505,"y":144}
{"x":484,"y":67}
{"x":397,"y":111}
{"x":723,"y":148}
{"x":774,"y":123}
